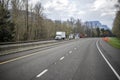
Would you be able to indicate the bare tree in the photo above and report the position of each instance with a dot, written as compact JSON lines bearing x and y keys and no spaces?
{"x":39,"y":20}
{"x":15,"y":14}
{"x":5,"y":3}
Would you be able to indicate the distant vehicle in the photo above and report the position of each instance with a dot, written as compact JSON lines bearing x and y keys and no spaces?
{"x":77,"y":36}
{"x":60,"y":35}
{"x":82,"y":35}
{"x":71,"y":36}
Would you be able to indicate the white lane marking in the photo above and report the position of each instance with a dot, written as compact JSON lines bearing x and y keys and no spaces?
{"x":70,"y":52}
{"x":114,"y":71}
{"x":62,"y":58}
{"x":75,"y":48}
{"x":43,"y":72}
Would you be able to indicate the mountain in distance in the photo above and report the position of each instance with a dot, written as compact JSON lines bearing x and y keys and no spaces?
{"x":95,"y":24}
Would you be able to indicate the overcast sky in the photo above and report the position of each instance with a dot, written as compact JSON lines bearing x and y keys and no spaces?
{"x":86,"y":10}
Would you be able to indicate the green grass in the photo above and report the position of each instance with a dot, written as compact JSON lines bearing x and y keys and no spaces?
{"x":115,"y":42}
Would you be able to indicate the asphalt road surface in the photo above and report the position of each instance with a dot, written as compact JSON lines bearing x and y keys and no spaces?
{"x":82,"y":59}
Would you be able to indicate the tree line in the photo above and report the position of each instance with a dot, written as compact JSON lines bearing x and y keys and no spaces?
{"x":116,"y":24}
{"x":21,"y":21}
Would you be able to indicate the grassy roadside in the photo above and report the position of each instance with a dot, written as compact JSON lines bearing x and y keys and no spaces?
{"x":115,"y":42}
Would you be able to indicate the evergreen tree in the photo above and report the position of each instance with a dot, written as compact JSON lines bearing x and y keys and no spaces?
{"x":6,"y":27}
{"x":98,"y":31}
{"x":116,"y":25}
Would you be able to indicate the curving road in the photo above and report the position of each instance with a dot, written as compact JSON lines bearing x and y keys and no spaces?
{"x":82,"y":59}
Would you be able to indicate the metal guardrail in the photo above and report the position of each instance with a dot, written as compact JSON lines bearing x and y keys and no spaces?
{"x":24,"y":44}
{"x":15,"y":45}
{"x":18,"y":42}
{"x":14,"y":48}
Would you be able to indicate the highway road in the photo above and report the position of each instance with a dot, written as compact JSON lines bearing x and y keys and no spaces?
{"x":82,"y":59}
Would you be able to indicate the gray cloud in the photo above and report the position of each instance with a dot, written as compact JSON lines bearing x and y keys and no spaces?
{"x":102,"y":10}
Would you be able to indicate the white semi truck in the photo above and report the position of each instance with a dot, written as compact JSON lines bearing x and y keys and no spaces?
{"x":60,"y":35}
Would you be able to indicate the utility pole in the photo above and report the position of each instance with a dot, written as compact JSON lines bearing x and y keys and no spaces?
{"x":27,"y":34}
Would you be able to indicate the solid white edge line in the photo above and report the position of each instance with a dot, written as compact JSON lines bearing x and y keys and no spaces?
{"x":114,"y":71}
{"x":43,"y":72}
{"x":70,"y":52}
{"x":62,"y":58}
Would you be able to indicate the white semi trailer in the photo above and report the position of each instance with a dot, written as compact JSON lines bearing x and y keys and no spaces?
{"x":60,"y":35}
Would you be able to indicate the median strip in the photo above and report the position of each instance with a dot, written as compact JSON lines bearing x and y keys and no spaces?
{"x":20,"y":48}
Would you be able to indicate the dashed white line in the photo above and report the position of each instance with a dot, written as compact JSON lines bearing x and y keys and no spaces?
{"x":70,"y":52}
{"x":114,"y":71}
{"x":43,"y":72}
{"x":55,"y":63}
{"x":62,"y":58}
{"x":75,"y":48}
